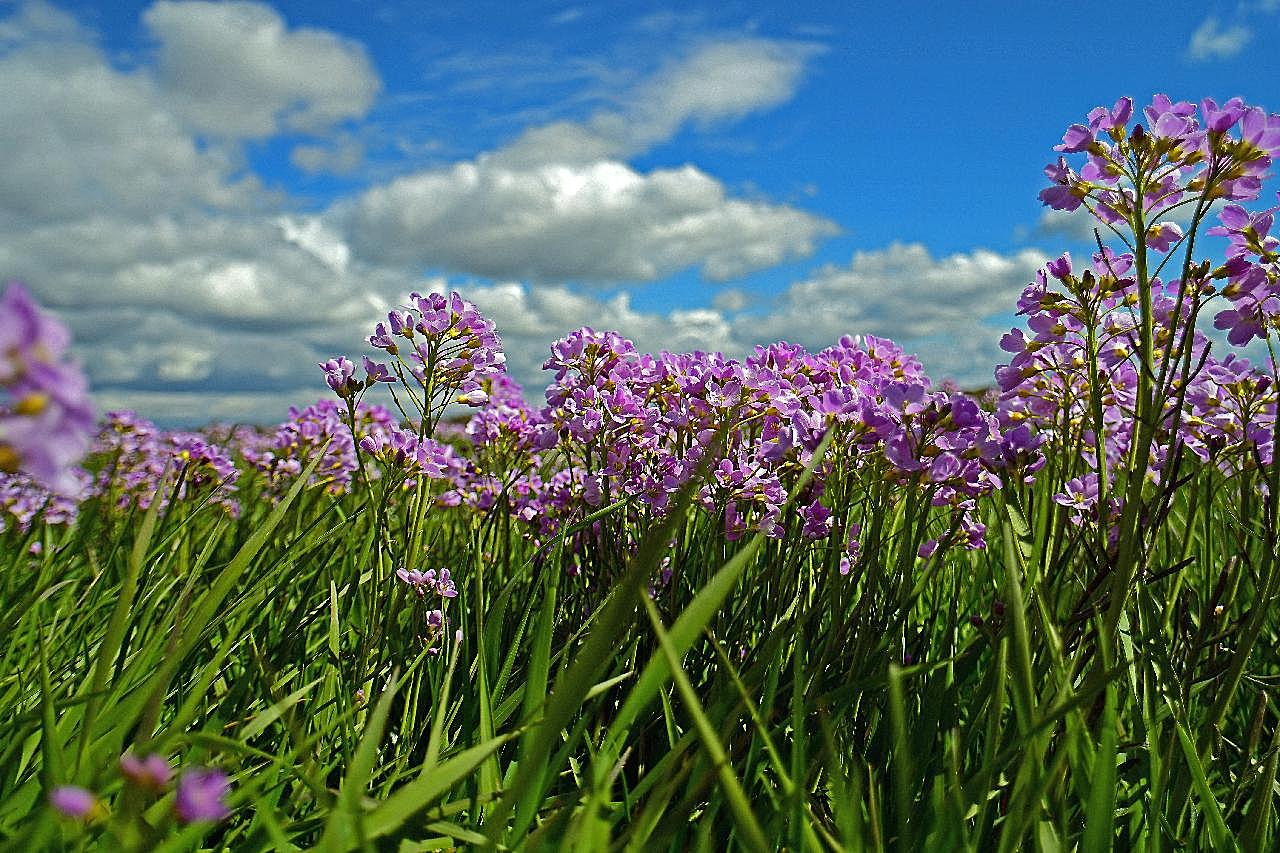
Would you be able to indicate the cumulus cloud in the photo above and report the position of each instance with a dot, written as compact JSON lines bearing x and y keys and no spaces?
{"x":1212,"y":40}
{"x":560,"y":202}
{"x":195,"y":293}
{"x":603,"y":222}
{"x":237,"y":70}
{"x":1073,"y":225}
{"x":948,"y":310}
{"x":79,"y":137}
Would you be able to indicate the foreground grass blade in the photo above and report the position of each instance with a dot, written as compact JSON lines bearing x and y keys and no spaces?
{"x":751,"y":835}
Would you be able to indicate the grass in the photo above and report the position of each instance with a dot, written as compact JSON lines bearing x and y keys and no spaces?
{"x":974,"y":700}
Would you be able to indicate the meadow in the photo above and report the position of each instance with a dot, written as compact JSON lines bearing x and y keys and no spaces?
{"x":799,"y":600}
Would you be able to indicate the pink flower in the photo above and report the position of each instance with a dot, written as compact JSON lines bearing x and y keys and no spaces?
{"x":151,"y":772}
{"x":74,"y":802}
{"x":202,"y":795}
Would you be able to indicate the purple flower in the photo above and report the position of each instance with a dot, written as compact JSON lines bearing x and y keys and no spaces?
{"x":202,"y":796}
{"x":1077,"y":138}
{"x":1163,"y":235}
{"x":1060,"y":268}
{"x":74,"y":802}
{"x":1100,"y":118}
{"x":338,"y":373}
{"x":1221,"y":119}
{"x":419,"y":581}
{"x":445,"y":586}
{"x":375,"y":371}
{"x":46,"y":418}
{"x":151,"y":772}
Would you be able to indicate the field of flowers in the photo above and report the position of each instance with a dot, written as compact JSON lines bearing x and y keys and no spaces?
{"x":801,"y":600}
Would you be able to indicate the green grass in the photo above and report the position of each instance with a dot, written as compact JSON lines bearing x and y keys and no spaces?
{"x":759,"y":701}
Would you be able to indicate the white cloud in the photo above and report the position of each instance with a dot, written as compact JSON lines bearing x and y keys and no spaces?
{"x":598,"y":222}
{"x":718,"y":81}
{"x":949,"y":310}
{"x":1211,"y":40}
{"x":729,"y":300}
{"x":79,"y":137}
{"x":341,"y":157}
{"x":1074,"y":225}
{"x":37,"y":17}
{"x":237,"y":70}
{"x":194,"y":293}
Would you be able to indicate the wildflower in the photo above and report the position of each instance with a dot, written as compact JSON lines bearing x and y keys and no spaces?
{"x":445,"y":586}
{"x":338,"y":375}
{"x":419,"y":581}
{"x":202,"y":795}
{"x":75,"y":802}
{"x":46,"y":418}
{"x":152,"y":772}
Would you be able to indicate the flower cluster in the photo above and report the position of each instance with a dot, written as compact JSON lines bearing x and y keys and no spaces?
{"x":1113,"y":345}
{"x":1252,"y":271}
{"x":619,"y":424}
{"x":443,"y":348}
{"x":440,"y":588}
{"x":46,"y":418}
{"x":402,"y":451}
{"x":145,"y":464}
{"x":321,"y":428}
{"x":1180,"y":154}
{"x":23,"y":500}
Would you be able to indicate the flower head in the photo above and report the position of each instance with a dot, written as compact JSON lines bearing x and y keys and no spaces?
{"x":46,"y":418}
{"x":74,"y":802}
{"x":202,"y":795}
{"x":152,"y":772}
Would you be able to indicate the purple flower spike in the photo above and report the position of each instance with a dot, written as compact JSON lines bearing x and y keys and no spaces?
{"x":73,"y":802}
{"x":202,"y":795}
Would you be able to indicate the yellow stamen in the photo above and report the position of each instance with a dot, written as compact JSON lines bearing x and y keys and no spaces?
{"x":8,"y":459}
{"x":32,"y":404}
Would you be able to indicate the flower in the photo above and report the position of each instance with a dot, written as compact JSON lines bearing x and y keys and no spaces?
{"x":202,"y":795}
{"x":419,"y":581}
{"x":46,"y":417}
{"x":152,"y":772}
{"x":74,"y":802}
{"x":338,"y":374}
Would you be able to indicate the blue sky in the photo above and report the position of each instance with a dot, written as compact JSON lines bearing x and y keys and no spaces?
{"x":217,"y":195}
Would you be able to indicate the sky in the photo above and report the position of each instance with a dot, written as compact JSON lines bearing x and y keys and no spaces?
{"x":216,"y":196}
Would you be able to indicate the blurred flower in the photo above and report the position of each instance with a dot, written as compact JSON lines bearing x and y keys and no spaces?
{"x":152,"y":772}
{"x":202,"y":795}
{"x":74,"y":802}
{"x":46,"y":417}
